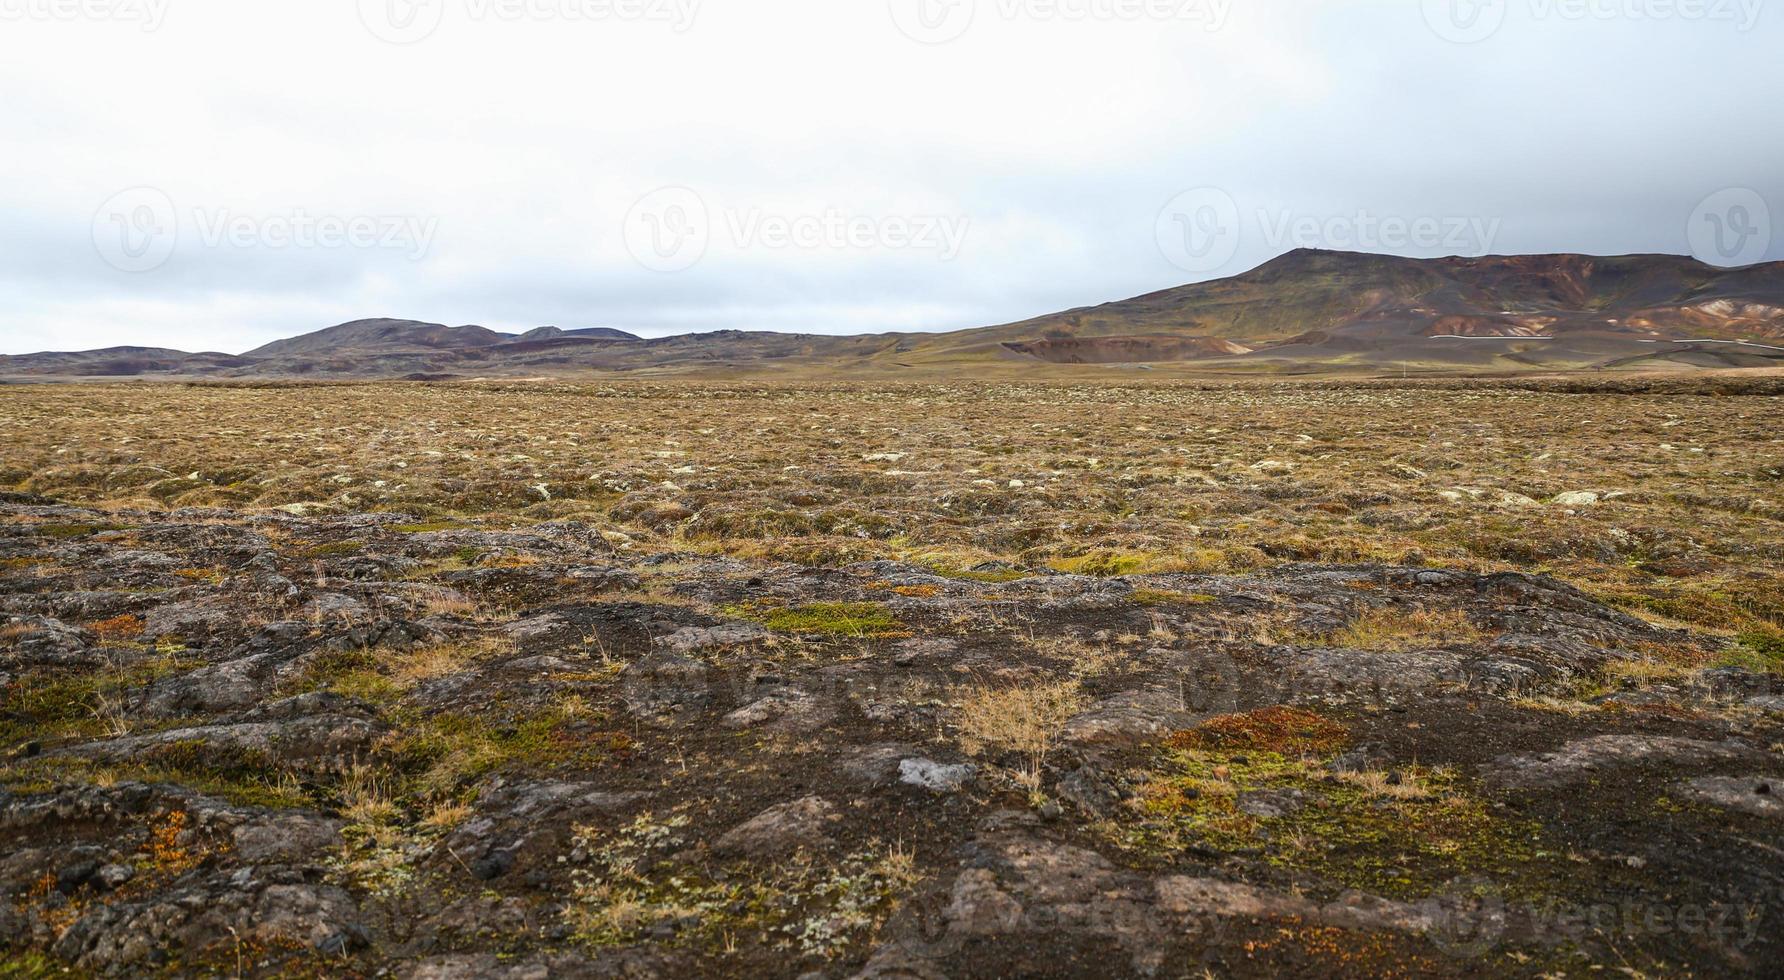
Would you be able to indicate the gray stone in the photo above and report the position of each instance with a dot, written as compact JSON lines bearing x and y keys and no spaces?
{"x":1129,"y":718}
{"x":779,"y":830}
{"x":699,"y":639}
{"x":1577,"y":761}
{"x":934,"y":776}
{"x":1270,"y":804}
{"x":1757,"y":795}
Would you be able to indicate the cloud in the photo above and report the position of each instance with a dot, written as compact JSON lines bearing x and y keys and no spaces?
{"x":1051,"y":132}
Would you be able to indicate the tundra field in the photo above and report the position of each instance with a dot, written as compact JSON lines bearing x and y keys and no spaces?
{"x":734,"y":679}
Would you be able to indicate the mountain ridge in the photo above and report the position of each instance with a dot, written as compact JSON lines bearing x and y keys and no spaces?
{"x":1305,"y":311}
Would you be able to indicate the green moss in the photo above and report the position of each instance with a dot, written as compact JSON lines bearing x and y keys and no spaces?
{"x":1345,"y":831}
{"x":233,"y":777}
{"x":336,"y":549}
{"x":1760,"y":649}
{"x":445,"y":751}
{"x":629,"y":886}
{"x":1110,"y":563}
{"x":1105,"y":564}
{"x":261,"y":792}
{"x":49,"y":705}
{"x":430,"y":527}
{"x":825,"y":618}
{"x":32,"y":966}
{"x":993,"y":576}
{"x":353,"y":673}
{"x":199,"y":757}
{"x":63,"y":532}
{"x":1164,"y":597}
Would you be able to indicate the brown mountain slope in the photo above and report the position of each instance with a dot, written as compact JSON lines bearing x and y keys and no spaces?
{"x":1316,"y":310}
{"x":380,"y":335}
{"x":1304,"y":312}
{"x":1305,"y":291}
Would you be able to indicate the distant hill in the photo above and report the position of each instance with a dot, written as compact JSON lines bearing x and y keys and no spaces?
{"x":1306,"y":312}
{"x":380,"y":336}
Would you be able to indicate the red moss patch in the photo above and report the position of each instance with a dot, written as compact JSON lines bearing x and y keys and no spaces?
{"x":1279,"y":729}
{"x":118,"y":629}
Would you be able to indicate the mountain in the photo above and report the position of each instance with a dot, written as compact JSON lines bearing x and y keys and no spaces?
{"x":1304,"y":312}
{"x":123,"y":362}
{"x":555,"y":333}
{"x":1311,"y":311}
{"x":380,"y":336}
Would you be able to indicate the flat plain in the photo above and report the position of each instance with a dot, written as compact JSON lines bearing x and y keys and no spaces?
{"x":1317,"y":678}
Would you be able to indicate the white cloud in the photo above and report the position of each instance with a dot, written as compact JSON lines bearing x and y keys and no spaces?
{"x":1054,"y":140}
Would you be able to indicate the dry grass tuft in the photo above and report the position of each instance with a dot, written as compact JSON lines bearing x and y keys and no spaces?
{"x":451,"y":604}
{"x":446,"y":816}
{"x":1390,"y":629}
{"x":442,"y":660}
{"x":1087,"y":658}
{"x":367,"y":797}
{"x":1405,"y":785}
{"x":1023,"y":720}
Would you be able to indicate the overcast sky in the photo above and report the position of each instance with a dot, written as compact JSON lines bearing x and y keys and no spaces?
{"x":213,"y":174}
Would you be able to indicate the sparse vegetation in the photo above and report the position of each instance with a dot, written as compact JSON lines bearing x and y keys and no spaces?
{"x":1024,"y":720}
{"x":528,"y":723}
{"x":1400,"y":833}
{"x":1282,"y":730}
{"x":1760,"y":649}
{"x":1399,"y":629}
{"x":626,"y":885}
{"x":827,"y":618}
{"x":1176,"y":484}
